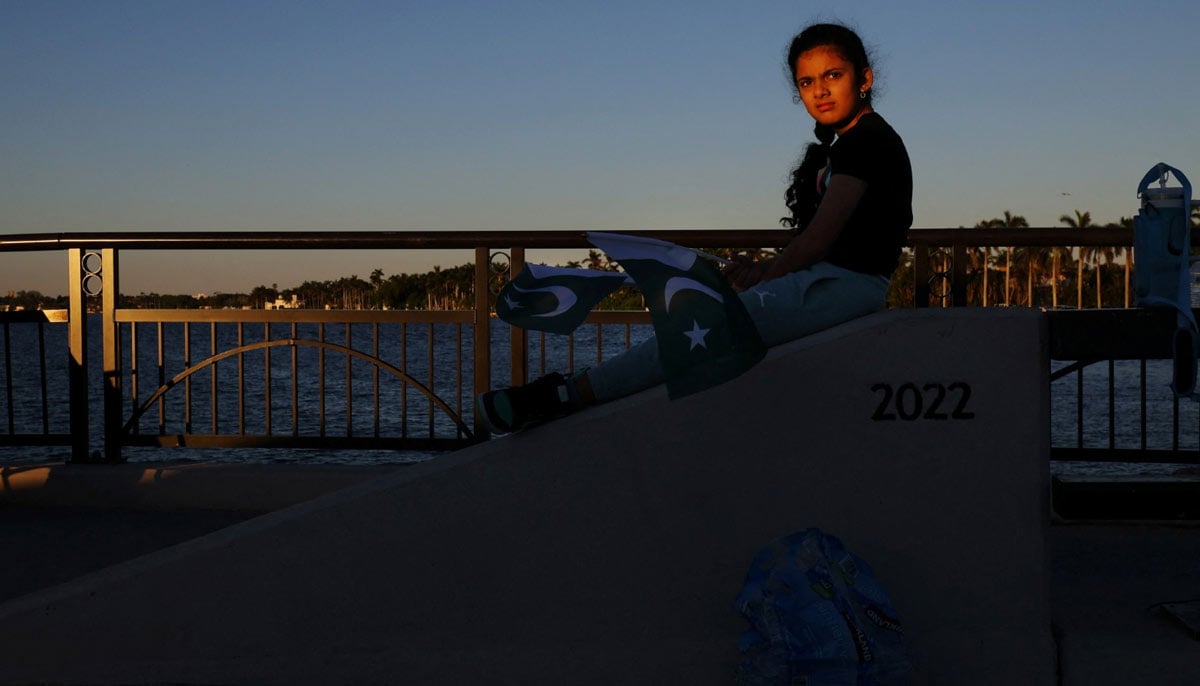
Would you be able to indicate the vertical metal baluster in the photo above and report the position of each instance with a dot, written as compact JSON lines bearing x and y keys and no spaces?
{"x":1112,"y":406}
{"x":133,"y":373}
{"x":267,"y":377}
{"x":458,"y":387}
{"x":599,"y":343}
{"x":187,"y":380}
{"x":42,"y":368}
{"x":1174,"y":421}
{"x":241,"y":383}
{"x":404,"y":385}
{"x":321,"y":379}
{"x":77,"y":360}
{"x":349,"y":384}
{"x":429,"y":384}
{"x":543,"y":357}
{"x":921,"y":290}
{"x":162,"y":380}
{"x":375,"y":376}
{"x":295,"y":386}
{"x":1079,"y":408}
{"x":8,"y":384}
{"x":958,"y":272}
{"x":1143,"y":395}
{"x":212,"y":351}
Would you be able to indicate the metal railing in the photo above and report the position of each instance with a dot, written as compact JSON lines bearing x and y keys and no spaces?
{"x":207,"y":394}
{"x":32,"y":392}
{"x":238,"y":378}
{"x":944,"y":271}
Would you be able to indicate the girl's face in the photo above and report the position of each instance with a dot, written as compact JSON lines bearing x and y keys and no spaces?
{"x":830,"y":89}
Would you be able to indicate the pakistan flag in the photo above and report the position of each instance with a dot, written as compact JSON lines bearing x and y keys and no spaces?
{"x":705,"y":336}
{"x":554,"y":299}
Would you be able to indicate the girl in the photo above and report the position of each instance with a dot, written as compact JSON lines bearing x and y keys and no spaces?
{"x":851,"y":207}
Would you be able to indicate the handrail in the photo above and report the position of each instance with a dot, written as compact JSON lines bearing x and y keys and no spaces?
{"x":354,"y":240}
{"x":421,"y":239}
{"x":1032,"y":237}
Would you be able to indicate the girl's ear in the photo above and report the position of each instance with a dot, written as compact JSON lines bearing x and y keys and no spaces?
{"x":868,"y":80}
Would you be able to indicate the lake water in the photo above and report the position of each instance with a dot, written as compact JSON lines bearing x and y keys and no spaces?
{"x":409,"y":350}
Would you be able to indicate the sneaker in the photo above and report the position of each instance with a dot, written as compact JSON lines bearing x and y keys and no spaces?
{"x":515,"y":408}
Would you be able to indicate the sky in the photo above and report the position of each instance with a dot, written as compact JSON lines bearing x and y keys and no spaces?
{"x":249,"y":115}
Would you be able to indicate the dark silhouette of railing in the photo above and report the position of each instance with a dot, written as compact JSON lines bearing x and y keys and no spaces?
{"x":938,"y":271}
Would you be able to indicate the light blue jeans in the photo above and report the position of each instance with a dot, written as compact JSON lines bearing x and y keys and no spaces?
{"x":783,"y":309}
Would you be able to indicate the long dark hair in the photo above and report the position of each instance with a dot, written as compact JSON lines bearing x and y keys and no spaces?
{"x":801,"y":196}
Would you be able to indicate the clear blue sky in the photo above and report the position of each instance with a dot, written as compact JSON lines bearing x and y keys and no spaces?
{"x":271,"y":114}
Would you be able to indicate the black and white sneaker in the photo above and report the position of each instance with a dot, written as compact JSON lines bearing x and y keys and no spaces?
{"x":512,"y":409}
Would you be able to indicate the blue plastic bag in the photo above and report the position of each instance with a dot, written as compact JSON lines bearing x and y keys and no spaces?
{"x":818,"y":617}
{"x":1162,"y":277}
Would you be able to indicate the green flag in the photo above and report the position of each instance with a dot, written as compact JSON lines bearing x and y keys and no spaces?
{"x":554,"y":299}
{"x":705,"y":335}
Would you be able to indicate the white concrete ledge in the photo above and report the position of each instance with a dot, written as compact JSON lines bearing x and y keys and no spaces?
{"x":608,"y":547}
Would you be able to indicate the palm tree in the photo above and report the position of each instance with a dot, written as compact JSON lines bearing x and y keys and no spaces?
{"x":1009,"y":221}
{"x":1081,"y":220}
{"x":1030,"y":261}
{"x":978,"y":258}
{"x":261,"y":295}
{"x":982,"y":257}
{"x":1122,"y":252}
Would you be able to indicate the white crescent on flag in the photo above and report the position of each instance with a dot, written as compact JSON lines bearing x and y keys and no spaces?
{"x":565,"y":296}
{"x":681,"y":283}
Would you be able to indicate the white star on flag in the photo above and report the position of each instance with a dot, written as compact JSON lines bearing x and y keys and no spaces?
{"x":512,"y":304}
{"x":697,"y":335}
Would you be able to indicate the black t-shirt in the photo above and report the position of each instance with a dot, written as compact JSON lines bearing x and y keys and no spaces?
{"x":872,"y":239}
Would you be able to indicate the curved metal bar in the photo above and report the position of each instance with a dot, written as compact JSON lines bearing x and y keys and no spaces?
{"x":945,"y":278}
{"x":175,"y":380}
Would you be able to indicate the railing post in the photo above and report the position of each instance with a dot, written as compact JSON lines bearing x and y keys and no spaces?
{"x":518,"y":347}
{"x":958,"y":277}
{"x":112,"y":356}
{"x":483,"y":331}
{"x":920,"y":276}
{"x":77,"y":372}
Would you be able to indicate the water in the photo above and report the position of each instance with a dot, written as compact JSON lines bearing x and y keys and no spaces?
{"x":396,"y":398}
{"x":1126,"y":377}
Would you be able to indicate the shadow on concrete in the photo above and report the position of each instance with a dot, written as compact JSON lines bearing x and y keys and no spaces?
{"x":44,"y":547}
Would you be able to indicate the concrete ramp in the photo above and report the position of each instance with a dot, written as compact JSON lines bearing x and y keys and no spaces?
{"x":608,"y":547}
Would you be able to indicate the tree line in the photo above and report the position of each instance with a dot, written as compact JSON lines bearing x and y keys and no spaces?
{"x":1034,"y":276}
{"x":437,"y":289}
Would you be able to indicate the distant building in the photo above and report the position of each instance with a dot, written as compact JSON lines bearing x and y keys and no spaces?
{"x":281,"y":304}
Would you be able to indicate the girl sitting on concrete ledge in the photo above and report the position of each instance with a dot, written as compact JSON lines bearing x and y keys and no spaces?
{"x":850,"y":204}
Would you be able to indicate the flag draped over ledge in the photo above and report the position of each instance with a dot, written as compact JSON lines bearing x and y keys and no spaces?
{"x":554,"y":299}
{"x":705,"y":335}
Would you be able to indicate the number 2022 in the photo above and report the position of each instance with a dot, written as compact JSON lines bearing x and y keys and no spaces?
{"x":911,"y":402}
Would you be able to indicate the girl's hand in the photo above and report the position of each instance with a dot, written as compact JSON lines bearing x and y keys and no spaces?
{"x":745,"y":273}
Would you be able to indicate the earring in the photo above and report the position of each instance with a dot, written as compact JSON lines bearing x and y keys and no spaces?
{"x":862,"y":95}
